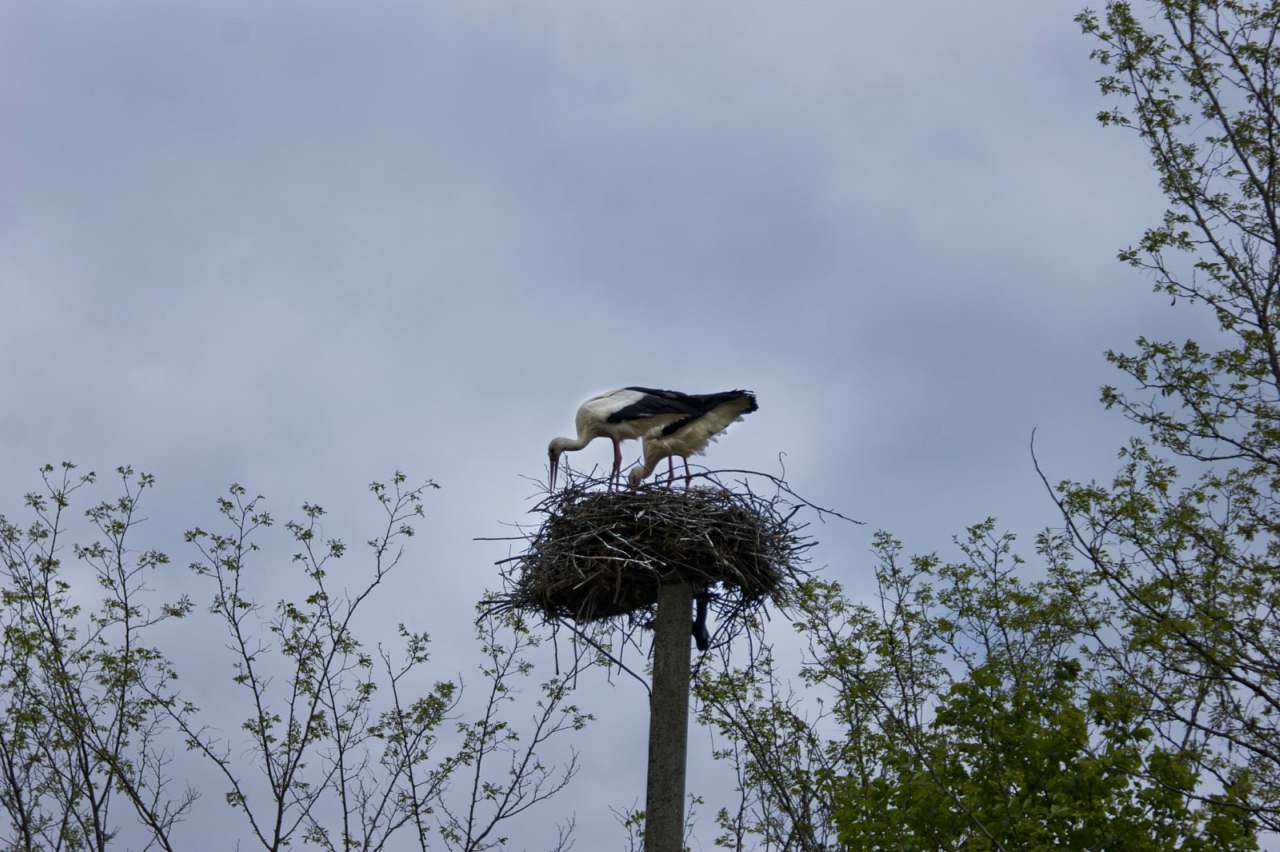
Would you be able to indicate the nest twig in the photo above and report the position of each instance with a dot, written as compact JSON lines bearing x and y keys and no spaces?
{"x":598,"y":556}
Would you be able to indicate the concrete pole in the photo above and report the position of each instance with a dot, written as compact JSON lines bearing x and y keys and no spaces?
{"x":668,"y":721}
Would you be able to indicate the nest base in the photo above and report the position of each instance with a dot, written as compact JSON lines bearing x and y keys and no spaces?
{"x":600,"y":555}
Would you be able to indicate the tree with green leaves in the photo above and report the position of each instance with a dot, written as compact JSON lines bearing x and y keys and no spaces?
{"x":958,"y":711}
{"x":1185,"y":540}
{"x":1148,"y":713}
{"x":81,"y":737}
{"x":1128,"y":699}
{"x":340,"y":747}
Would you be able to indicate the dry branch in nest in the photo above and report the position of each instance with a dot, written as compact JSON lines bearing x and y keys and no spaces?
{"x":598,"y":555}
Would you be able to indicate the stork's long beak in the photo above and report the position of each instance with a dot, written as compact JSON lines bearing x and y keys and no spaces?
{"x":555,"y":464}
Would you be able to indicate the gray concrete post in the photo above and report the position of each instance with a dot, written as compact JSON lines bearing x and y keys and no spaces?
{"x":668,"y":721}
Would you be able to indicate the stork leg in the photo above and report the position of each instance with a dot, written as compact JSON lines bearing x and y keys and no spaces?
{"x":688,"y":477}
{"x":617,"y":463}
{"x":671,"y":471}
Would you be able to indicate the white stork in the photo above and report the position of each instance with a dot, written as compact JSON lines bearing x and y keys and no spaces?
{"x":632,"y":412}
{"x":690,"y":435}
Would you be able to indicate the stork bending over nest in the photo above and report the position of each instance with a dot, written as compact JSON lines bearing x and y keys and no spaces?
{"x":636,"y":412}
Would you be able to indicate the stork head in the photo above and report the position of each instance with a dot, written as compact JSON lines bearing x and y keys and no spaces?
{"x":554,"y":449}
{"x":635,"y":476}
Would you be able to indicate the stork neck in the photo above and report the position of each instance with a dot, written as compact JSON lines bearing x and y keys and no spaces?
{"x":574,"y":443}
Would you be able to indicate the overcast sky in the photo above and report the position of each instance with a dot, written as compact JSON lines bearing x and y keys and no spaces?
{"x":300,"y":245}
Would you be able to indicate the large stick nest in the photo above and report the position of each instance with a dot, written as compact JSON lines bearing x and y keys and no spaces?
{"x":598,"y":555}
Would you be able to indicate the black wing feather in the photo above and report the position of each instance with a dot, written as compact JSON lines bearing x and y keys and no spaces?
{"x":676,"y":425}
{"x":657,"y":402}
{"x":708,"y":401}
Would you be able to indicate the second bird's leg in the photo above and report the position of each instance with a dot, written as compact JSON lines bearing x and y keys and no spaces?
{"x":687,"y":475}
{"x":671,"y":471}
